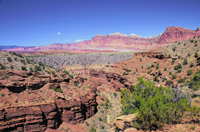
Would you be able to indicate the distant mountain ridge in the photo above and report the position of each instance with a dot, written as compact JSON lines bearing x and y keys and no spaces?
{"x":121,"y":42}
{"x":8,"y":47}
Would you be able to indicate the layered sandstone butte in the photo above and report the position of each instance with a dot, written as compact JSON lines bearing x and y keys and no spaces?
{"x":122,"y":42}
{"x":28,"y":101}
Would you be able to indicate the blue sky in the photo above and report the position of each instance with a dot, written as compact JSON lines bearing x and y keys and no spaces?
{"x":44,"y":22}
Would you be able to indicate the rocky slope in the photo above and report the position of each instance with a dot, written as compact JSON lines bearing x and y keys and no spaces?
{"x":121,"y":42}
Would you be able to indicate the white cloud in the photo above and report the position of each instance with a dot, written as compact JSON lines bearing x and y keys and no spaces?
{"x":57,"y":40}
{"x":67,"y":40}
{"x":58,"y":33}
{"x":79,"y":40}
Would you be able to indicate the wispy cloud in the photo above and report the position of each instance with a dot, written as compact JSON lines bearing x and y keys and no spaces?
{"x":67,"y":40}
{"x":79,"y":40}
{"x":58,"y":33}
{"x":57,"y":40}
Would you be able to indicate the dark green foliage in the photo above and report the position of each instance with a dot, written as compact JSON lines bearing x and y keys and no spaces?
{"x":30,"y":69}
{"x":85,"y":78}
{"x":2,"y":67}
{"x":66,"y":72}
{"x":192,"y":64}
{"x":179,"y":71}
{"x":152,"y":65}
{"x":194,"y":82}
{"x":37,"y":68}
{"x":184,"y":44}
{"x":185,"y":62}
{"x":156,"y":78}
{"x":53,"y":72}
{"x":149,"y":71}
{"x":174,"y":76}
{"x":165,"y":69}
{"x":115,"y":94}
{"x":157,"y":67}
{"x":177,"y":67}
{"x":168,"y":82}
{"x":196,"y":55}
{"x":189,"y":54}
{"x":23,"y":68}
{"x":159,"y":72}
{"x":9,"y":59}
{"x":170,"y":73}
{"x":148,"y":67}
{"x":19,"y":55}
{"x":181,"y":80}
{"x":92,"y":129}
{"x":71,"y":76}
{"x":173,"y":60}
{"x":47,"y":71}
{"x":141,"y":66}
{"x":155,"y":106}
{"x":189,"y":72}
{"x":11,"y":67}
{"x":15,"y":58}
{"x":174,"y":48}
{"x":191,"y":40}
{"x":124,"y":73}
{"x":23,"y":61}
{"x":57,"y":89}
{"x":179,"y":57}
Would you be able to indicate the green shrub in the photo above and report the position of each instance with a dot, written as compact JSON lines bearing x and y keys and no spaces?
{"x":53,"y":72}
{"x":194,"y":82}
{"x":152,"y":65}
{"x":85,"y":78}
{"x":157,"y":67}
{"x":92,"y":129}
{"x":165,"y":69}
{"x":156,"y":78}
{"x":155,"y":106}
{"x":181,"y":80}
{"x":192,"y":127}
{"x":57,"y":89}
{"x":192,"y":64}
{"x":185,"y":62}
{"x":2,"y":67}
{"x":23,"y":61}
{"x":115,"y":94}
{"x":189,"y":72}
{"x":179,"y":71}
{"x":149,"y":71}
{"x":9,"y":59}
{"x":66,"y":72}
{"x":196,"y":55}
{"x":15,"y":58}
{"x":148,"y":67}
{"x":30,"y":69}
{"x":23,"y":68}
{"x":71,"y":76}
{"x":174,"y":76}
{"x":189,"y":54}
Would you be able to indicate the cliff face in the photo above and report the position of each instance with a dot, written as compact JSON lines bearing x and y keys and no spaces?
{"x":40,"y":117}
{"x":118,"y":41}
{"x":32,"y":104}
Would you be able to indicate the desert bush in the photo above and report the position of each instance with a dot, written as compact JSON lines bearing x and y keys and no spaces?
{"x":57,"y":89}
{"x":156,"y":78}
{"x":196,"y":55}
{"x":192,"y":64}
{"x":191,"y":40}
{"x":148,"y":67}
{"x":115,"y":94}
{"x":23,"y":61}
{"x":189,"y":72}
{"x":11,"y":67}
{"x":71,"y":76}
{"x":37,"y":68}
{"x":15,"y":58}
{"x":181,"y":80}
{"x":174,"y":76}
{"x":2,"y":67}
{"x":157,"y":67}
{"x":185,"y":62}
{"x":66,"y":72}
{"x":149,"y":71}
{"x":152,"y":65}
{"x":9,"y":59}
{"x":53,"y":72}
{"x":155,"y":106}
{"x":168,"y":82}
{"x":30,"y":69}
{"x":92,"y":129}
{"x":179,"y":71}
{"x":189,"y":54}
{"x":174,"y":48}
{"x":23,"y":68}
{"x":194,"y":82}
{"x":165,"y":69}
